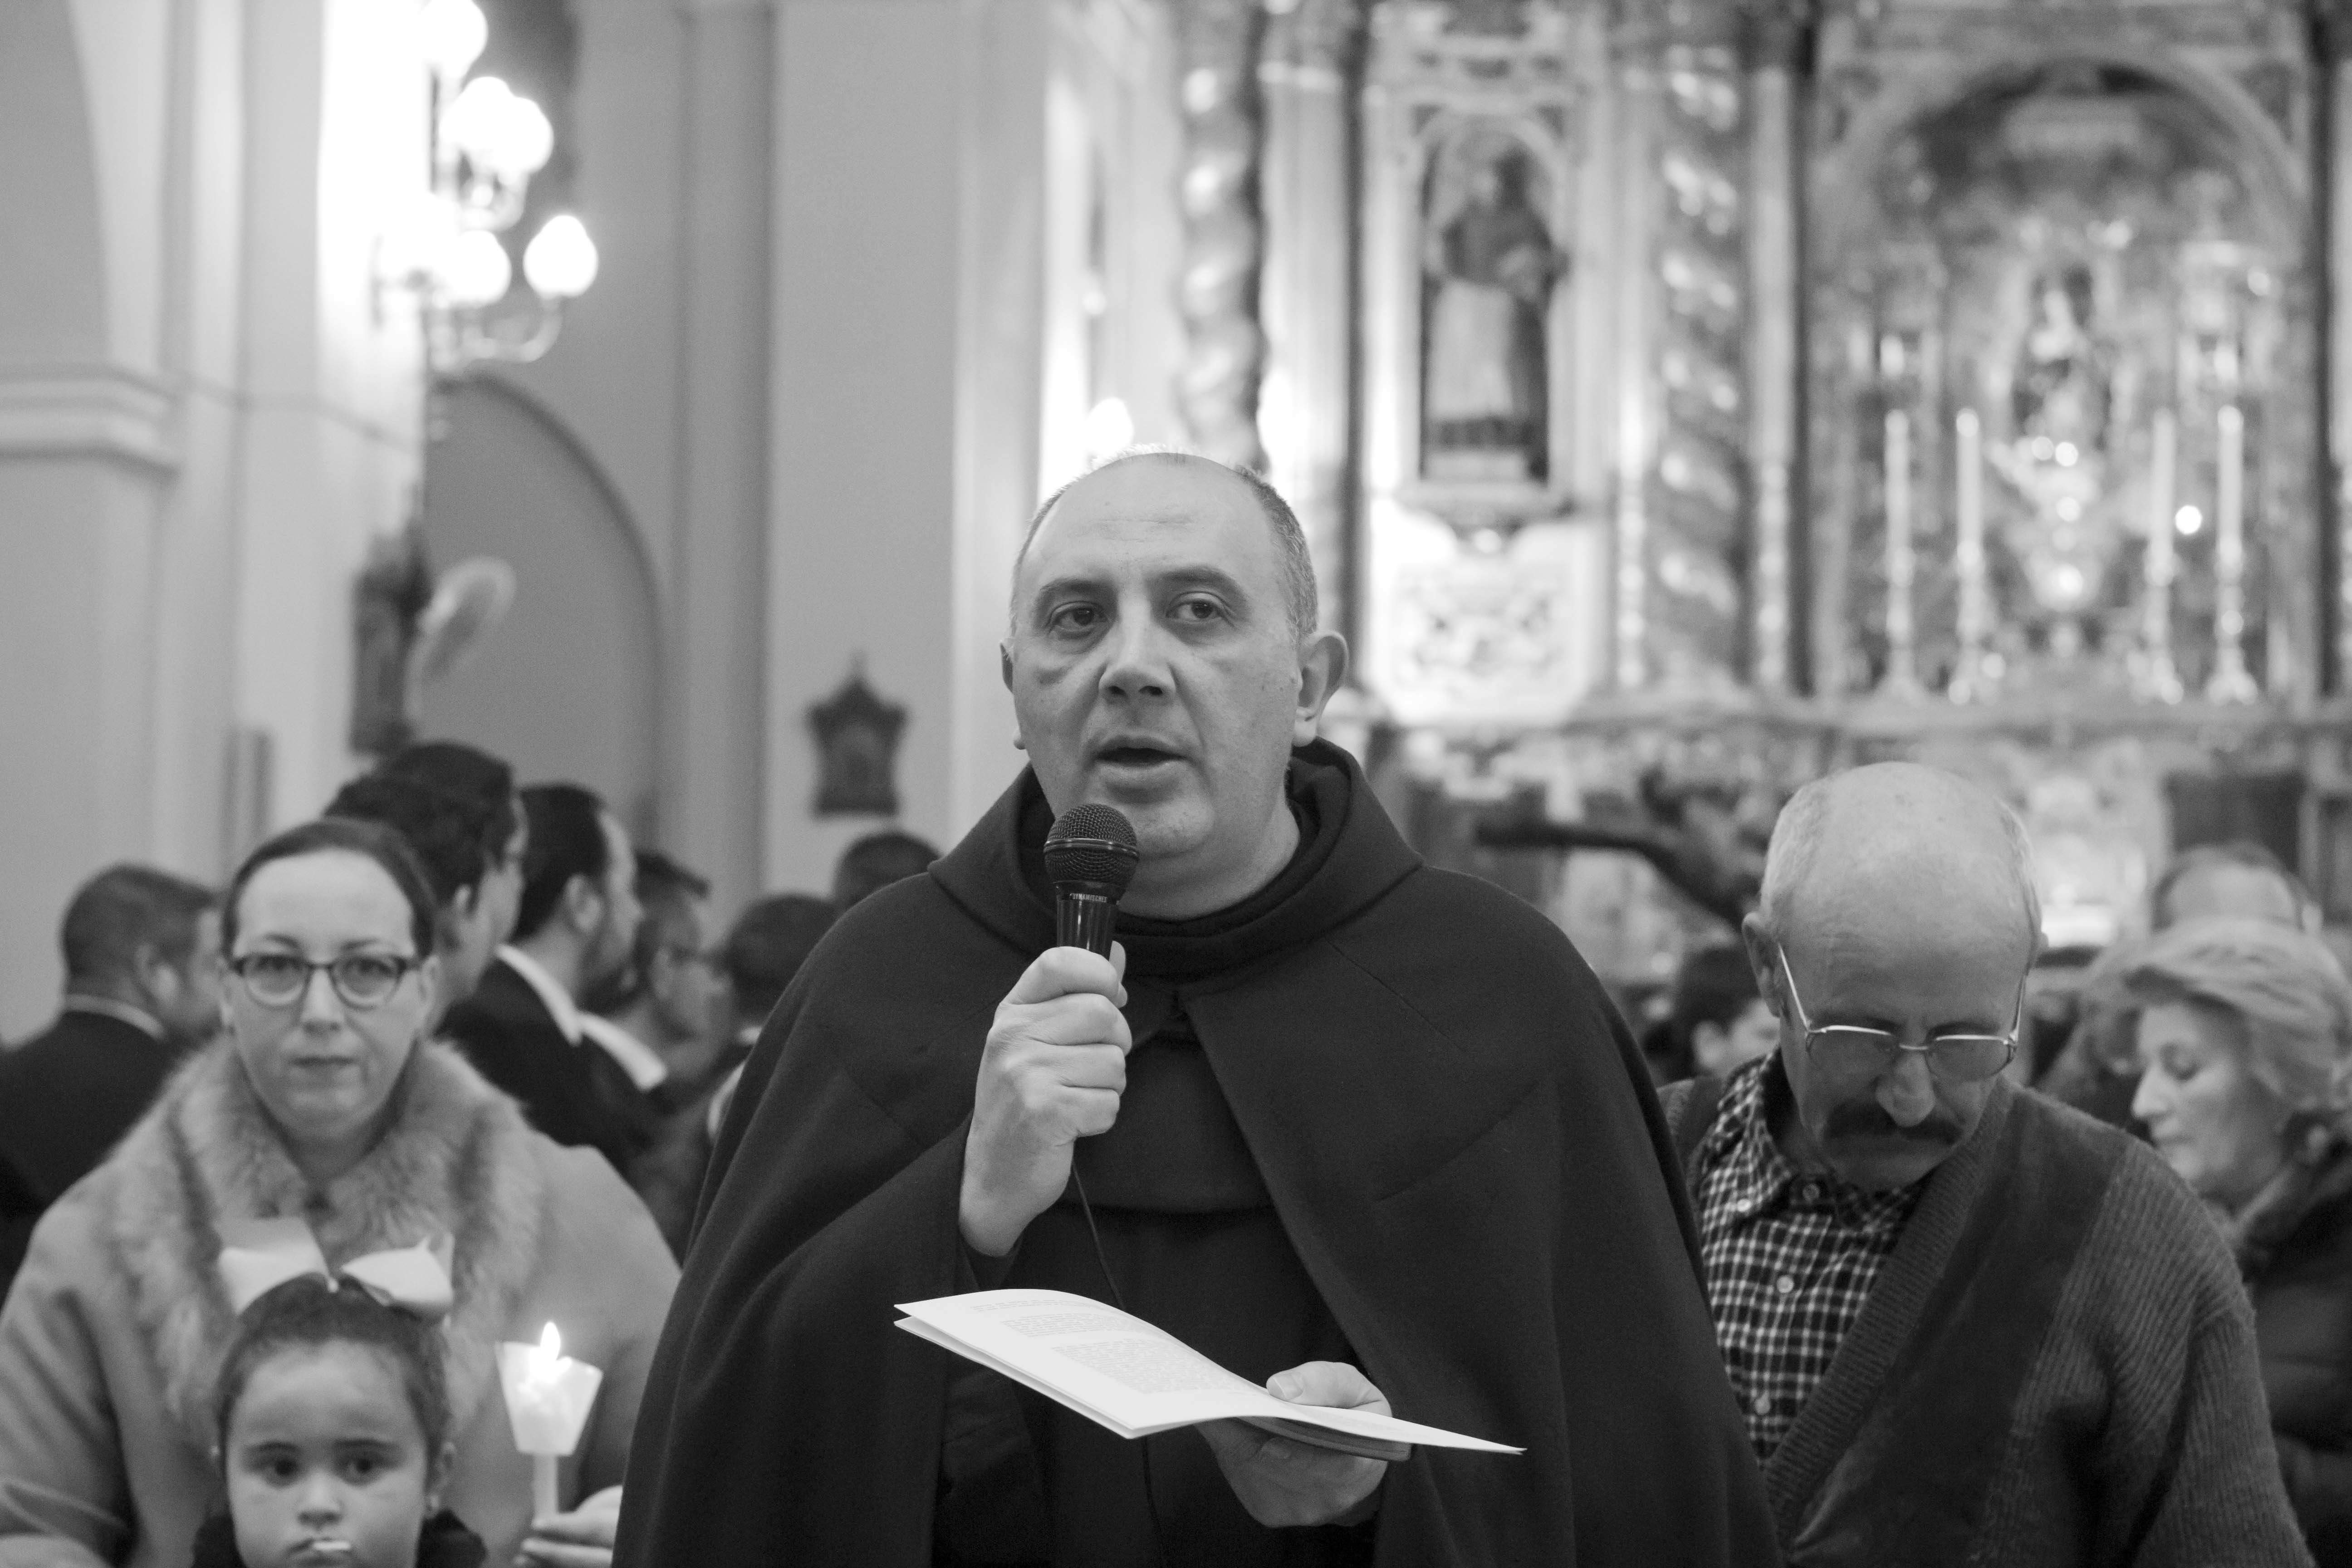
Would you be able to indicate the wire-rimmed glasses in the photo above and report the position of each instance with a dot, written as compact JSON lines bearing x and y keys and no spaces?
{"x":1852,"y":1049}
{"x":362,"y":979}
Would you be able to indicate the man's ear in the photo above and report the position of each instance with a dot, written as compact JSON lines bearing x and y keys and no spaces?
{"x":1322,"y":666}
{"x":1760,"y":949}
{"x":583,"y":904}
{"x":428,"y":980}
{"x":158,"y":977}
{"x":1004,"y":669}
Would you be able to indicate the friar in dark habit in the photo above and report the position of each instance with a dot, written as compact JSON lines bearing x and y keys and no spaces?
{"x":1365,"y":1130}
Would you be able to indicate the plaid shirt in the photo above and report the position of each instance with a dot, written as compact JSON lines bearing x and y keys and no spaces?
{"x":1789,"y":1255}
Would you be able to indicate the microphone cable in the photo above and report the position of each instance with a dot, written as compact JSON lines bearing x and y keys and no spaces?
{"x":1102,"y":1260}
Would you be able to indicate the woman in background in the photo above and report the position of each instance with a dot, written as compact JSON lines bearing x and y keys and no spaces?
{"x":327,"y":1103}
{"x":2242,"y":1028}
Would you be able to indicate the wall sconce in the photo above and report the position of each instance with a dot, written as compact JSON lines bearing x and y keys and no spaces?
{"x":445,"y":251}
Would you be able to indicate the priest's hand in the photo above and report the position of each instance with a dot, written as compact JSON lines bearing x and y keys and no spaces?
{"x":1283,"y":1483}
{"x":1051,"y":1074}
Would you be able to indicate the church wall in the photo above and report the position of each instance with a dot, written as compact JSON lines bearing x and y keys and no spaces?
{"x":862,"y":400}
{"x":202,"y":420}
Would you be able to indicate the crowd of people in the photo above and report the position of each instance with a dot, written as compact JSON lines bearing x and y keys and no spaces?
{"x":447,"y":1007}
{"x":1862,"y":1256}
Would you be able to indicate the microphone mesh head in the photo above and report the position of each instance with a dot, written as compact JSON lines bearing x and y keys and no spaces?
{"x":1092,"y":844}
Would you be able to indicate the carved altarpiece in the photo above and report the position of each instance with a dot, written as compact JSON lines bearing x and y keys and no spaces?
{"x":1810,"y":382}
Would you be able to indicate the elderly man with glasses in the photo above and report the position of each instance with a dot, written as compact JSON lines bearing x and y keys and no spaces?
{"x":1964,"y":1324}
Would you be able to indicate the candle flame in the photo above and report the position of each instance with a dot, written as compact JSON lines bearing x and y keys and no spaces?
{"x":546,"y":1357}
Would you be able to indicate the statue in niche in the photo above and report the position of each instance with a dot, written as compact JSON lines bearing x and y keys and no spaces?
{"x":2060,"y":392}
{"x":1489,"y":265}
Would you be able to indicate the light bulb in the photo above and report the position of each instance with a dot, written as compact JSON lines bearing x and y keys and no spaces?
{"x":475,"y":123}
{"x":1110,"y":427}
{"x":524,"y":139}
{"x":478,"y":270}
{"x":453,"y":33}
{"x":561,"y":261}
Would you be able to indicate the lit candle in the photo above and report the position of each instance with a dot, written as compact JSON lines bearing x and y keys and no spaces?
{"x":1975,"y":611}
{"x":2156,"y":568}
{"x":2230,"y":681}
{"x":548,"y":1395}
{"x":1900,"y":674}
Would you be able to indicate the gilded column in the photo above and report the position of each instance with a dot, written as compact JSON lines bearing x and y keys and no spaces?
{"x":2335,"y":35}
{"x":1224,"y":351}
{"x":1639,"y":91}
{"x":1308,"y":293}
{"x":1775,"y":38}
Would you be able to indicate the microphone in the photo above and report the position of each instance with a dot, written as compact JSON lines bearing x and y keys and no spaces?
{"x":1090,"y":857}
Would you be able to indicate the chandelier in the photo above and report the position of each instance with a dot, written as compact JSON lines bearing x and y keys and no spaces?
{"x":445,"y":251}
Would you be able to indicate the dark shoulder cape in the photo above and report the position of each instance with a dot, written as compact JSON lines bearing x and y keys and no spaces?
{"x":1455,"y":1129}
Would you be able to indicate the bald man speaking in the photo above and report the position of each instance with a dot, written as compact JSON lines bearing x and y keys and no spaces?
{"x":1363,"y":1130}
{"x":1966,"y":1325}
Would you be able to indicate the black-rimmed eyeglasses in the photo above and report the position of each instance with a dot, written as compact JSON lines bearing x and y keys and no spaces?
{"x":1851,"y":1049}
{"x":361,"y":979}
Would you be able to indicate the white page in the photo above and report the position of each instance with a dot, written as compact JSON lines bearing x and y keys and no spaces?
{"x":1121,"y":1371}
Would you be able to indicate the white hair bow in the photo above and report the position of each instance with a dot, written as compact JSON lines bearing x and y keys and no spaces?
{"x":259,"y":1255}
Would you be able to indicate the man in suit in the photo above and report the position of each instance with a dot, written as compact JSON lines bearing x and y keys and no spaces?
{"x":142,"y":953}
{"x":577,"y":919}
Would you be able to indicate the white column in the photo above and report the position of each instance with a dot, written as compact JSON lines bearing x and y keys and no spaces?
{"x":1969,"y":552}
{"x":903,"y":393}
{"x":1902,"y":674}
{"x":1305,"y":292}
{"x":2230,"y":682}
{"x":711,"y":748}
{"x":2159,"y":563}
{"x":1773,"y":373}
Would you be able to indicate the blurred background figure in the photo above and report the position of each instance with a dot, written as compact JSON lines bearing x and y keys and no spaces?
{"x":457,"y":809}
{"x":763,"y":949}
{"x":668,"y":1004}
{"x":574,"y":927}
{"x":2097,"y":1071}
{"x":2238,"y":877}
{"x":1715,"y":1019}
{"x":2239,"y":1029}
{"x":876,"y":861}
{"x":143,"y":961}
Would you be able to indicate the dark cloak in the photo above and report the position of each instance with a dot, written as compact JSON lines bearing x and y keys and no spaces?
{"x":1453,"y":1122}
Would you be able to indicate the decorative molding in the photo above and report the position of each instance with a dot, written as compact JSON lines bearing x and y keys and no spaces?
{"x":89,"y":411}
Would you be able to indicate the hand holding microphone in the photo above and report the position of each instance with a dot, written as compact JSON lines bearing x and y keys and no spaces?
{"x":1055,"y":1061}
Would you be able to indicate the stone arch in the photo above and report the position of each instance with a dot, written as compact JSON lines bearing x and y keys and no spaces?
{"x":53,"y":309}
{"x":570,"y":686}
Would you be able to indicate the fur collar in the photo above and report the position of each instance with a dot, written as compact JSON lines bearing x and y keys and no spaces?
{"x":456,"y":1160}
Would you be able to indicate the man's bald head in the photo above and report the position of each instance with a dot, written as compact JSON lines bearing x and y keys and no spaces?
{"x":1290,"y":539}
{"x":1898,"y":910}
{"x":1871,"y":842}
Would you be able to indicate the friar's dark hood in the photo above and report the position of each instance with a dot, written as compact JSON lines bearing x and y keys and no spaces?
{"x":1350,"y":854}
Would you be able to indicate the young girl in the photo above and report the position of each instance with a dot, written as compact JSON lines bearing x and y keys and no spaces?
{"x":334,"y":1438}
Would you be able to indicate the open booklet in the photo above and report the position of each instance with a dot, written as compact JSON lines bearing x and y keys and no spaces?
{"x":1118,"y":1371}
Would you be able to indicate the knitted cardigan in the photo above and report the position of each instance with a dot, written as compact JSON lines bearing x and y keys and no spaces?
{"x":2056,"y":1367}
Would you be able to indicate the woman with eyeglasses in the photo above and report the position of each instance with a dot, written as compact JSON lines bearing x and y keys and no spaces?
{"x":324,"y":1103}
{"x":2242,"y":1028}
